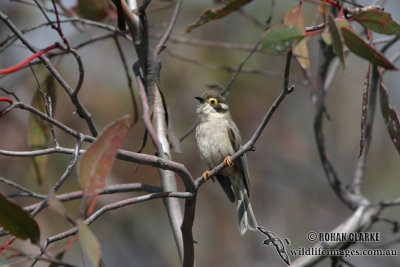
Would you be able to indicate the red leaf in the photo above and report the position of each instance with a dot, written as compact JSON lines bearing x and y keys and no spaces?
{"x":97,"y":161}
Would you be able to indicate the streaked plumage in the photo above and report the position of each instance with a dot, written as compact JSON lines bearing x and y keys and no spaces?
{"x":218,"y":136}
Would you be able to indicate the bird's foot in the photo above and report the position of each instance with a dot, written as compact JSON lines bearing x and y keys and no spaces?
{"x":205,"y":176}
{"x":228,"y":162}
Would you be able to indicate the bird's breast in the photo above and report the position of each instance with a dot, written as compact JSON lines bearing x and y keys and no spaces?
{"x":213,"y":141}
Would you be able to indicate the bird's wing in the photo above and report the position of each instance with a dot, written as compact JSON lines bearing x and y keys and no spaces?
{"x":226,"y":185}
{"x":241,"y":163}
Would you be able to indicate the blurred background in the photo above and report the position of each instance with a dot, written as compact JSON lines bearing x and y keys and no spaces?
{"x":289,"y":192}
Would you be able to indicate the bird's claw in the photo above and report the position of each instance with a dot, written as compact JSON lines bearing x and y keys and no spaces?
{"x":228,"y":162}
{"x":205,"y":176}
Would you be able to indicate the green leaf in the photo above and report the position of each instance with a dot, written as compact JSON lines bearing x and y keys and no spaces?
{"x":280,"y":39}
{"x":378,"y":21}
{"x":89,"y":243}
{"x":337,"y":39}
{"x":92,"y":9}
{"x":39,"y":129}
{"x":390,"y":115}
{"x":97,"y":161}
{"x":294,"y":17}
{"x":17,"y":221}
{"x":361,"y":48}
{"x":213,"y":14}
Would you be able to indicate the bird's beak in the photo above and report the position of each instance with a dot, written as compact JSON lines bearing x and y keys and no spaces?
{"x":199,"y":98}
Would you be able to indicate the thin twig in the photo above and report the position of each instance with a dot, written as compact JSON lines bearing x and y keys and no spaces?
{"x":223,"y":67}
{"x":111,"y":189}
{"x":20,"y":188}
{"x":113,"y":206}
{"x":129,"y":80}
{"x":367,"y":134}
{"x":81,"y":110}
{"x":48,"y":103}
{"x":63,"y":177}
{"x":215,"y":44}
{"x":51,"y":120}
{"x":161,"y":44}
{"x":145,"y":107}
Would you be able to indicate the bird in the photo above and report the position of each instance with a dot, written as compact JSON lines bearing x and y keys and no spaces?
{"x":217,"y":138}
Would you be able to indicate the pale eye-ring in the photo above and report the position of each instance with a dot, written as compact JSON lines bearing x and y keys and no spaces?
{"x":212,"y":101}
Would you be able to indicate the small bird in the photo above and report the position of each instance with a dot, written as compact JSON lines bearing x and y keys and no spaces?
{"x":217,"y":138}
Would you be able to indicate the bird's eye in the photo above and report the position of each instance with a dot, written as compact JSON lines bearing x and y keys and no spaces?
{"x":212,"y":101}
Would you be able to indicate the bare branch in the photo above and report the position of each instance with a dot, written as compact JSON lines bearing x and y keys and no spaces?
{"x":51,"y":120}
{"x":367,"y":134}
{"x":111,"y":189}
{"x":63,"y":177}
{"x":113,"y":206}
{"x":20,"y":188}
{"x":129,"y":80}
{"x":80,"y":108}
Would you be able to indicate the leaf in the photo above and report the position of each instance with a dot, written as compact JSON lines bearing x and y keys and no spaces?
{"x":97,"y":161}
{"x":56,"y":205}
{"x":92,"y":9}
{"x":337,"y":39}
{"x":213,"y":14}
{"x":280,"y":39}
{"x":326,"y":36}
{"x":294,"y":17}
{"x":39,"y":129}
{"x":378,"y":21}
{"x":364,"y":109}
{"x":361,"y":48}
{"x":17,"y":221}
{"x":89,"y":243}
{"x":390,"y":115}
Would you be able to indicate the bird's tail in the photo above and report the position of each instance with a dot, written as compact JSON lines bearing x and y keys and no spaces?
{"x":247,"y":220}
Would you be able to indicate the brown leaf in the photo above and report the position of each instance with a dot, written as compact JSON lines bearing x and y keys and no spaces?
{"x":364,"y":112}
{"x":89,"y":243}
{"x":337,"y":39}
{"x":390,"y":115}
{"x":213,"y":14}
{"x":97,"y":161}
{"x":294,"y":17}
